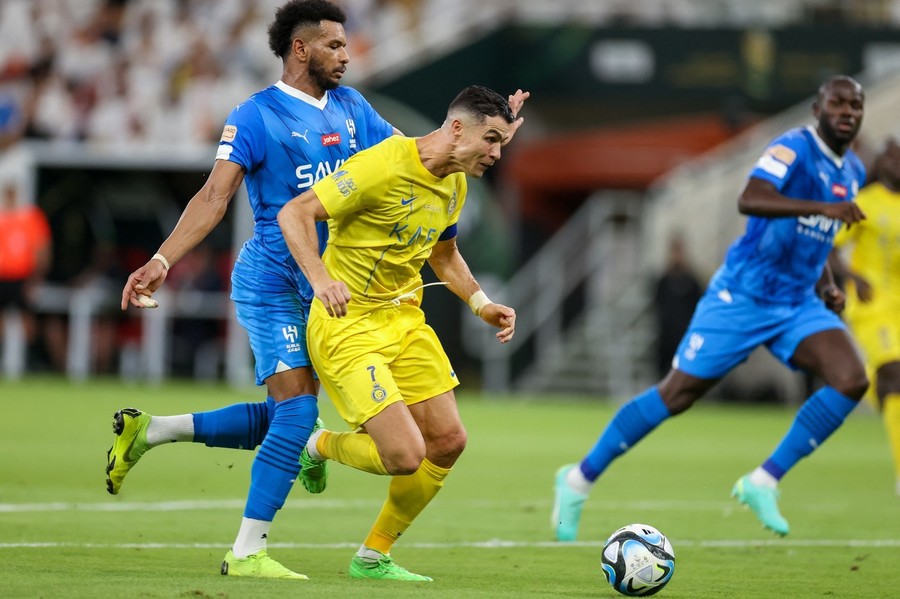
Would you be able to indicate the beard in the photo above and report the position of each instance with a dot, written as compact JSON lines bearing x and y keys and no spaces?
{"x":320,"y":76}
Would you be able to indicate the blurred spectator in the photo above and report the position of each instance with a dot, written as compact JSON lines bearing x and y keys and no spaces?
{"x":98,"y":285}
{"x":193,"y":59}
{"x":25,"y":249}
{"x":677,"y":292}
{"x":197,"y":342}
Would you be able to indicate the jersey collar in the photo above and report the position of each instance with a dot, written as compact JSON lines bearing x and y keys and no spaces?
{"x":838,"y":160}
{"x":302,"y":96}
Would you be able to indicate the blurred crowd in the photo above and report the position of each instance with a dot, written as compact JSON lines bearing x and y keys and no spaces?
{"x":118,"y":71}
{"x":169,"y":71}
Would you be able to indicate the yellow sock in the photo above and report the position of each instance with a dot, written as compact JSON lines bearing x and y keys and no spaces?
{"x":353,"y":449}
{"x":407,"y":497}
{"x":891,"y":413}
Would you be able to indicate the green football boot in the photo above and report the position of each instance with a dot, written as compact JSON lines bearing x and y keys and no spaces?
{"x":257,"y":565}
{"x":313,"y":473}
{"x":383,"y":568}
{"x":130,"y":427}
{"x":764,"y":503}
{"x":567,"y":507}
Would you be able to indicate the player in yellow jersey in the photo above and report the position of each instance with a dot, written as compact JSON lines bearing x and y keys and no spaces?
{"x":872,"y":275}
{"x":391,"y":208}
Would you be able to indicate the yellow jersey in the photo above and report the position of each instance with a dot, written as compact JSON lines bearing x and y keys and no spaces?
{"x":387,"y":211}
{"x":874,"y":249}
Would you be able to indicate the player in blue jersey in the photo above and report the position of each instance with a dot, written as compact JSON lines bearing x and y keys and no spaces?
{"x":774,"y":289}
{"x":278,"y":143}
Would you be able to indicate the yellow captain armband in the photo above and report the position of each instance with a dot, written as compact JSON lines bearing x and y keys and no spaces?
{"x":478,"y":301}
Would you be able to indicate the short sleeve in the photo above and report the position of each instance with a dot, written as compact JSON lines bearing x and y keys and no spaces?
{"x":243,"y":138}
{"x":354,"y":186}
{"x":781,"y":159}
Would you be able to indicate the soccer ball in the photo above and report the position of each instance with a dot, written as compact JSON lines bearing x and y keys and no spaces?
{"x":638,"y":560}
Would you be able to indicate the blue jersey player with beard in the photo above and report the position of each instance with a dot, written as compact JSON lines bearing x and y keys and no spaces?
{"x":774,"y":289}
{"x":278,"y":142}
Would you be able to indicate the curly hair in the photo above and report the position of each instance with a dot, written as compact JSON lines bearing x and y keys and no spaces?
{"x":296,"y":14}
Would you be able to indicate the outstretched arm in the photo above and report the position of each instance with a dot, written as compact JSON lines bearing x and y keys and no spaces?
{"x":297,"y":220}
{"x":200,"y":216}
{"x":450,"y":267}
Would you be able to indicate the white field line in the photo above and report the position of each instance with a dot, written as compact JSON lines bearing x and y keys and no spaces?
{"x":489,"y":544}
{"x":344,"y":504}
{"x":338,"y":504}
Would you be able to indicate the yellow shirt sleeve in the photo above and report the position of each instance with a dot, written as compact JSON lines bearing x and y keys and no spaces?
{"x":349,"y":189}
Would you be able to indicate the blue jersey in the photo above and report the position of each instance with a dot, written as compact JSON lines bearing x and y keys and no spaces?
{"x":781,"y":259}
{"x":286,"y":140}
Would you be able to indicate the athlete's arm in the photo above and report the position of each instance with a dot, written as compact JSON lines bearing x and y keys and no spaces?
{"x":761,"y":198}
{"x":297,"y":220}
{"x":516,"y":101}
{"x":830,"y":293}
{"x":200,"y":216}
{"x":842,"y":271}
{"x":450,"y":267}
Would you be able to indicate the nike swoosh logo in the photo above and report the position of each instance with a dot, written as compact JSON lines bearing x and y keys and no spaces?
{"x":407,"y":202}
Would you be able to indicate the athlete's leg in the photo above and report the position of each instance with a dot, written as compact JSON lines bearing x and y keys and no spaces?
{"x":829,"y":354}
{"x":888,"y":389}
{"x":441,"y":437}
{"x":277,"y":463}
{"x":631,"y":423}
{"x":832,"y":357}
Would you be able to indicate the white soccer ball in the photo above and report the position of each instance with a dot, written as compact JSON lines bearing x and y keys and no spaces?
{"x":638,"y":560}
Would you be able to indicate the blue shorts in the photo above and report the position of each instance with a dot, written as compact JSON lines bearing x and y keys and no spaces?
{"x":272,"y":304}
{"x":727,"y":327}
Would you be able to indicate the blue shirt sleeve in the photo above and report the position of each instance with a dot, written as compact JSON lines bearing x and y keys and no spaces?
{"x":376,"y":128}
{"x":781,"y":159}
{"x":243,"y":139}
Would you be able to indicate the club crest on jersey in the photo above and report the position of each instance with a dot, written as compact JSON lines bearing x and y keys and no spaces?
{"x":838,"y":190}
{"x":331,"y":139}
{"x":351,"y":129}
{"x":290,"y":333}
{"x":451,"y":207}
{"x":379,"y":393}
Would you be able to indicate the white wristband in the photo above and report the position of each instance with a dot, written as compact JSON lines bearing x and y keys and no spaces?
{"x":478,"y":301}
{"x":162,"y":259}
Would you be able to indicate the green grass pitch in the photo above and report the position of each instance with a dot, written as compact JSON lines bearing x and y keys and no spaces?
{"x":486,"y":535}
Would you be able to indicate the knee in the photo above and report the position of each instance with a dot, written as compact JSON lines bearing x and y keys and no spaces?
{"x":678,"y":400}
{"x":445,"y":449}
{"x":405,"y":460}
{"x":852,"y":384}
{"x":452,"y":444}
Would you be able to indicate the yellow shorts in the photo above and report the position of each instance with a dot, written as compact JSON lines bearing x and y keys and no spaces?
{"x":372,"y":358}
{"x":878,"y":336}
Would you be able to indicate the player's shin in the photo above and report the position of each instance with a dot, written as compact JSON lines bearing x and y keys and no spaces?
{"x":238,"y":426}
{"x":277,"y":465}
{"x":407,"y":497}
{"x":891,"y":412}
{"x":356,"y":450}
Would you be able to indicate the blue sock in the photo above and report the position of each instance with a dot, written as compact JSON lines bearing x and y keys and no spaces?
{"x":821,"y":415}
{"x":631,"y":423}
{"x":239,"y":426}
{"x":277,"y":463}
